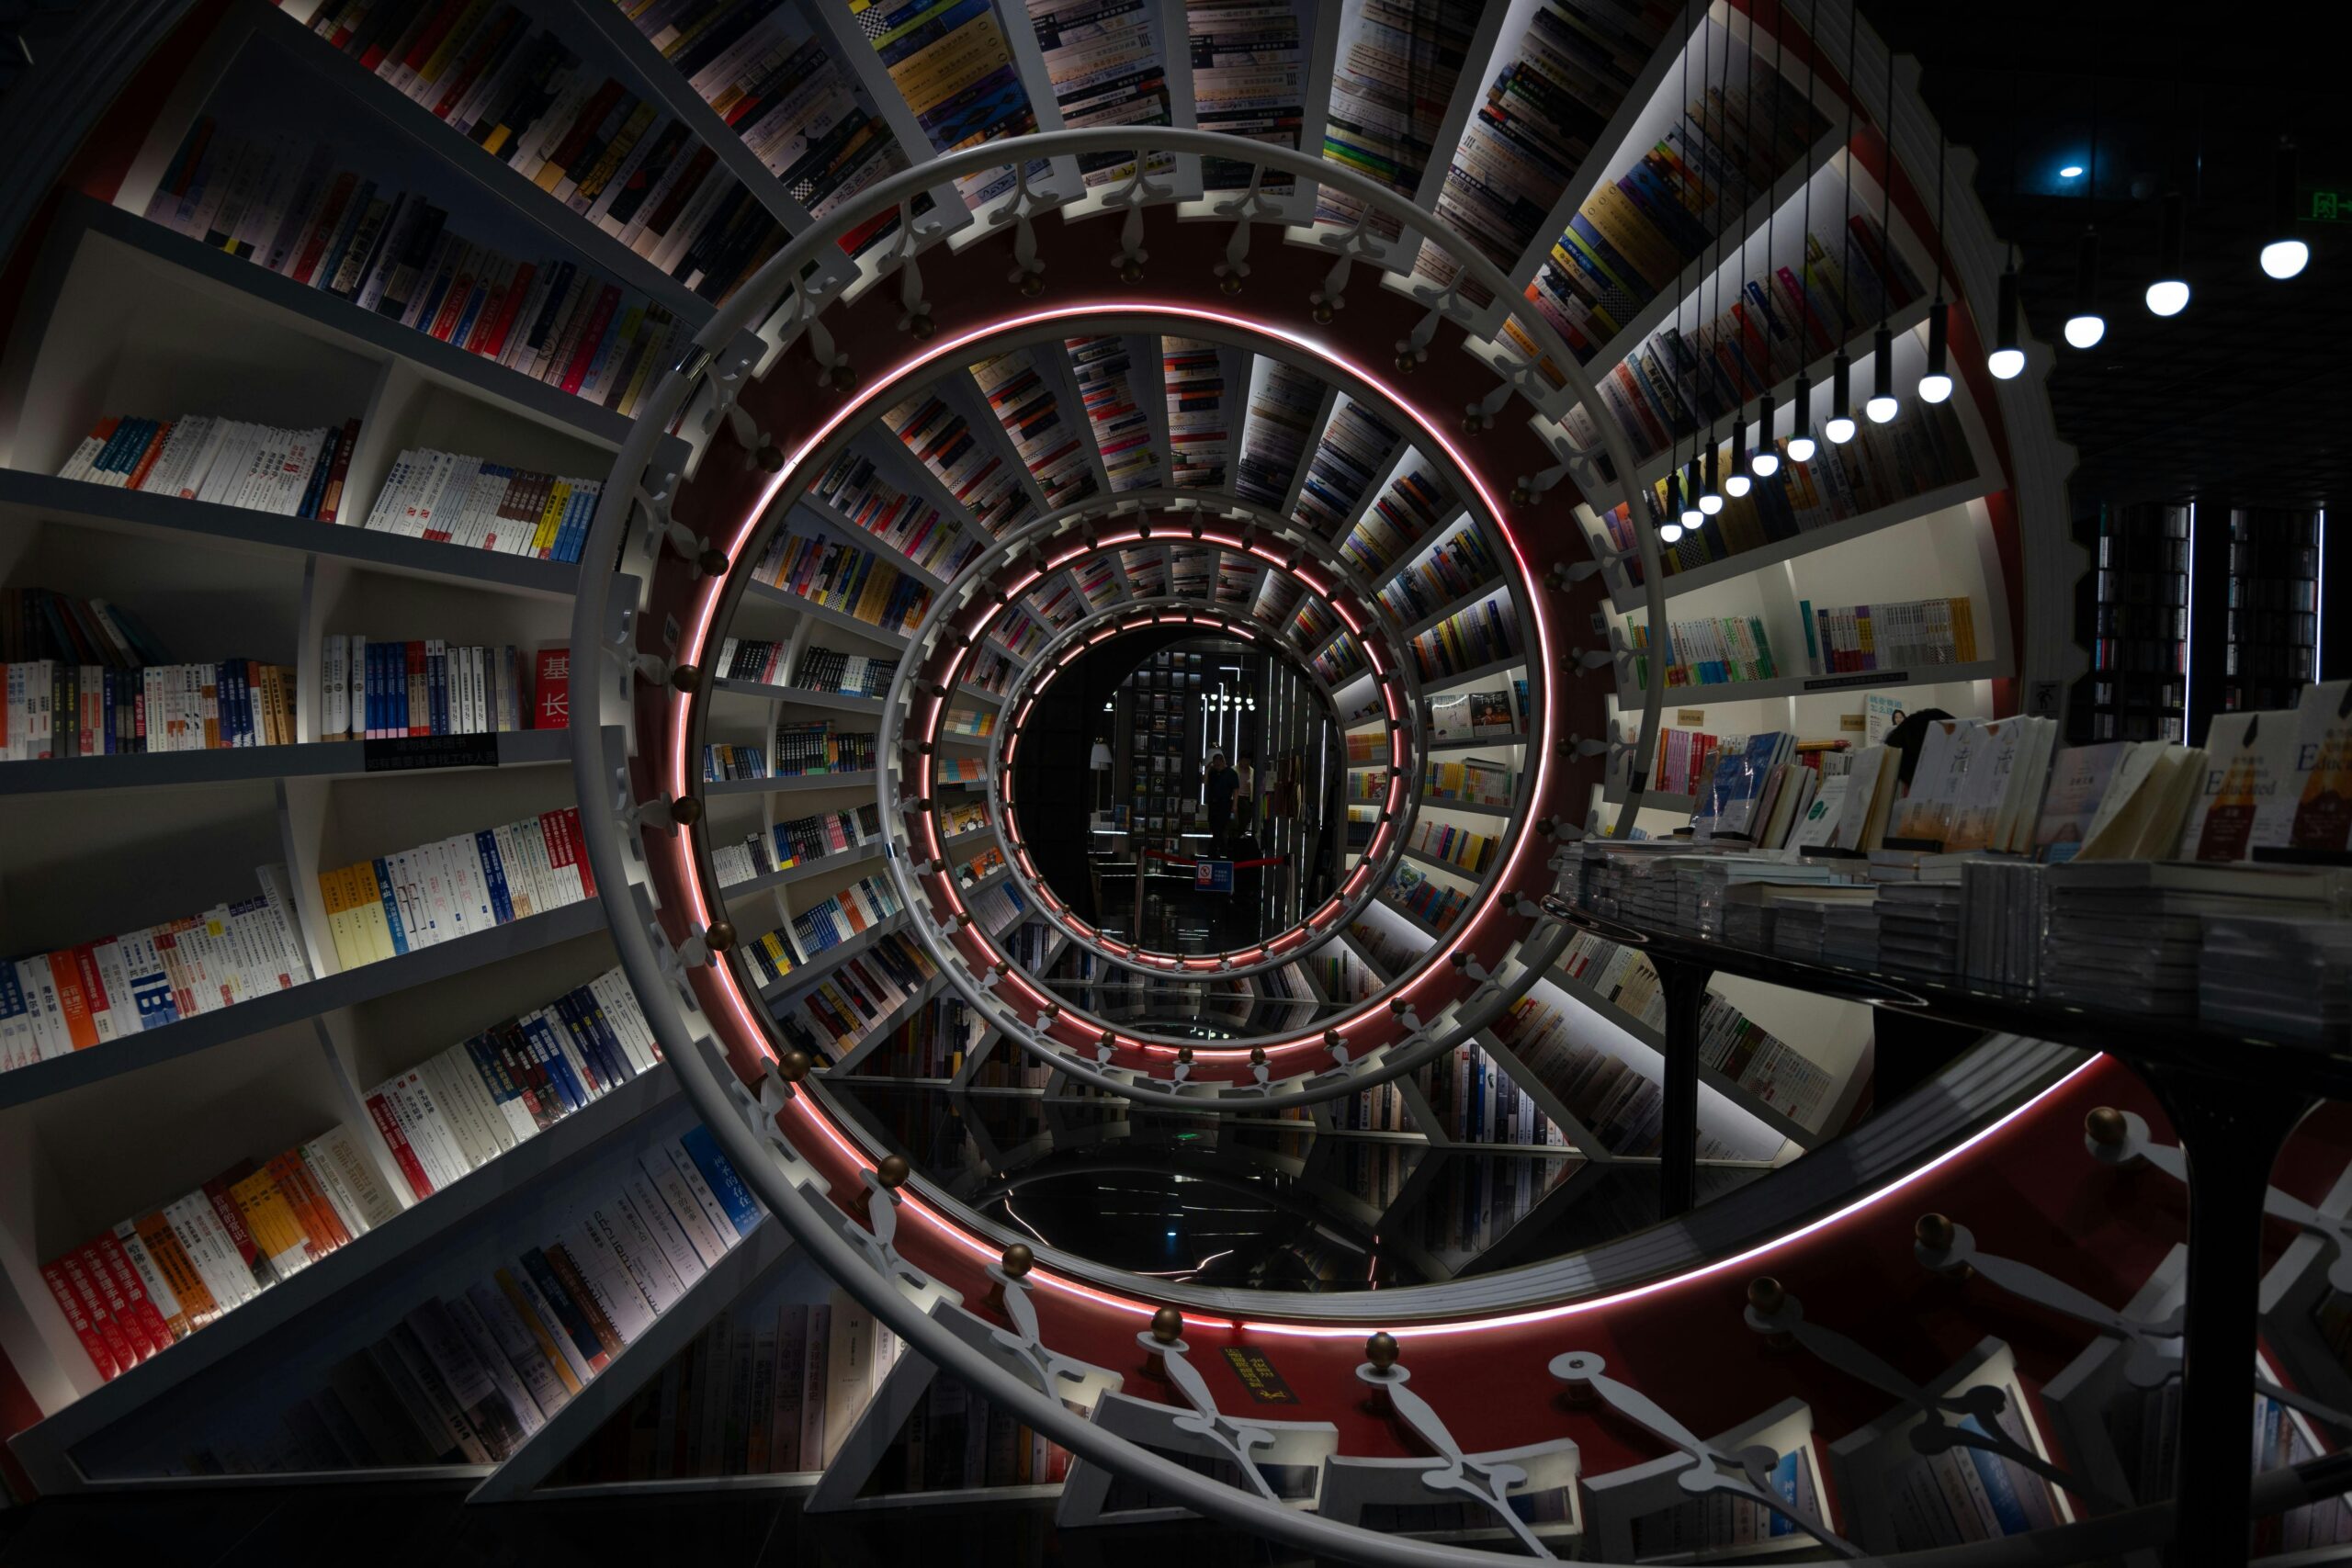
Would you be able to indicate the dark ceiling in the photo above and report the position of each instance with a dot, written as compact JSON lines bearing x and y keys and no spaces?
{"x":2244,"y":396}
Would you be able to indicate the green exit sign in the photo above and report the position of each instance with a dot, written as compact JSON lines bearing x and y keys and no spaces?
{"x":2327,"y":207}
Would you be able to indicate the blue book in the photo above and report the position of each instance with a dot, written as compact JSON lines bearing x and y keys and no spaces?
{"x":391,"y":904}
{"x":1993,"y":1471}
{"x":552,"y":1056}
{"x":493,"y":876}
{"x":724,"y":1183}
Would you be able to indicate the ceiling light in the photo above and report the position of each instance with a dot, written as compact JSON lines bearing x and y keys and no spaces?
{"x":2168,"y":295}
{"x":1711,"y":500}
{"x":2086,"y":326}
{"x":1801,"y":445}
{"x":1840,"y":428}
{"x":2285,"y":256}
{"x":1735,"y":483}
{"x":1936,"y":385}
{"x":2006,"y":362}
{"x":1882,"y":406}
{"x":1764,"y":461}
{"x":1692,"y":516}
{"x":2071,"y":172}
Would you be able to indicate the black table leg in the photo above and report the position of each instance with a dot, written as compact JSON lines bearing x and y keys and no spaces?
{"x":2231,"y":1131}
{"x":1685,"y":987}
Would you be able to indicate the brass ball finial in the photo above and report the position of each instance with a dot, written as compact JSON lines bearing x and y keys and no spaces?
{"x":1167,"y":1325}
{"x":1521,"y":496}
{"x":713,"y":562}
{"x":893,"y":1171}
{"x":687,"y":811}
{"x":1184,"y":1053}
{"x":1323,"y":312}
{"x":1765,"y":1294}
{"x":1229,"y":284}
{"x":1381,"y":1351}
{"x":718,"y":936}
{"x":793,"y":1066}
{"x":769,"y":457}
{"x":1032,"y":285}
{"x":2107,"y":1127}
{"x":1406,"y":364}
{"x":1257,"y":1055}
{"x":686,"y":677}
{"x":922,"y":328}
{"x":1017,"y":1260}
{"x":1934,"y":1232}
{"x":1131,"y":271}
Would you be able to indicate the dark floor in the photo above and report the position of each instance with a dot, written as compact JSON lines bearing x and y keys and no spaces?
{"x":430,"y":1527}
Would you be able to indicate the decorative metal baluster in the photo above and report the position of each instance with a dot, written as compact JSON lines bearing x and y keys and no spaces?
{"x":1489,"y":1482}
{"x":1009,"y":1275}
{"x":1753,"y":1465}
{"x":2120,"y":1138}
{"x":880,"y":1241}
{"x":1772,"y":1310}
{"x":1163,"y":1341}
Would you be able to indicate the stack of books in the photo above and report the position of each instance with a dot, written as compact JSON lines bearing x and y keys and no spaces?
{"x":1029,"y":406}
{"x":525,"y":99}
{"x":1283,"y":405}
{"x":2130,"y":934}
{"x":1354,"y":451}
{"x":1195,"y":377}
{"x":1456,"y":567}
{"x":2277,"y":976}
{"x":485,"y":506}
{"x":1106,"y":387}
{"x":456,"y":887}
{"x":854,"y":489}
{"x":460,"y":1109}
{"x":372,"y":690}
{"x":941,"y":440}
{"x":844,"y":577}
{"x":273,"y":202}
{"x":54,"y":1004}
{"x":139,"y":1288}
{"x":227,"y":462}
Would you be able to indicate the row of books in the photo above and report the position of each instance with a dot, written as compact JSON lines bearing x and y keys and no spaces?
{"x":1341,"y":662}
{"x":800,"y":111}
{"x":860,"y":906}
{"x":138,"y":1289}
{"x":803,"y":749}
{"x":1612,"y":1097}
{"x":1098,"y":582}
{"x":1474,"y":781}
{"x":1541,"y":118}
{"x":455,"y":886}
{"x":773,"y":1387}
{"x":930,"y":1044}
{"x":461,"y":1108}
{"x":1470,"y":1205}
{"x":479,"y":506}
{"x":1284,"y":401}
{"x":1910,"y":635}
{"x":1673,"y":385}
{"x":1456,"y":846}
{"x":1716,"y":652}
{"x":1724,"y":1522}
{"x":467,"y":1377}
{"x":1029,"y":406}
{"x":1477,"y":1102}
{"x":1634,"y":236}
{"x":1353,"y":453}
{"x":54,"y":1004}
{"x":1249,"y":80}
{"x":1436,"y":905}
{"x":226,"y":462}
{"x":854,"y":489}
{"x":1485,"y":634}
{"x":1451,"y":569}
{"x":1764,"y":789}
{"x":850,"y":674}
{"x":1384,"y":942}
{"x":1484,"y":715}
{"x":980,"y":867}
{"x":972,"y":475}
{"x":727,"y":762}
{"x":1964,"y":1493}
{"x":843,"y":577}
{"x":1105,"y":371}
{"x":375,"y":689}
{"x":1106,"y":68}
{"x":838,"y":1011}
{"x":1415,"y":502}
{"x":1314,"y":622}
{"x":954,"y":66}
{"x":525,"y":98}
{"x":1195,"y":376}
{"x":1390,"y":88}
{"x":55,"y":709}
{"x":273,"y":202}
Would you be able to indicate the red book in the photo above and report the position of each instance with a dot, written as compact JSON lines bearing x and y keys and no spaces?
{"x":583,"y":355}
{"x":224,"y":1209}
{"x":141,"y":1319}
{"x":569,"y":820}
{"x":77,"y":1317}
{"x":494,"y":345}
{"x":82,"y":1270}
{"x":430,"y":40}
{"x":551,"y":690}
{"x":395,"y":1140}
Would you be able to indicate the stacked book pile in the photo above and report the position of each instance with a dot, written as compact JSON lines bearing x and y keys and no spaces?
{"x":1283,"y":404}
{"x":276,"y":203}
{"x":1028,"y":404}
{"x":1920,"y":913}
{"x":457,"y":1110}
{"x":1487,"y":633}
{"x":941,"y":440}
{"x":2002,"y":898}
{"x":1354,"y":451}
{"x":767,"y":74}
{"x":293,"y":473}
{"x":2279,"y":978}
{"x":139,"y":1288}
{"x":456,"y":887}
{"x":1458,"y":566}
{"x":84,"y":678}
{"x":523,"y":98}
{"x":854,"y":489}
{"x":2130,"y":934}
{"x":481,"y":505}
{"x":843,"y":577}
{"x":1195,"y":377}
{"x":1106,"y":387}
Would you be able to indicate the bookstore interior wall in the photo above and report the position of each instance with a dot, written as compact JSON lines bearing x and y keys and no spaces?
{"x":533,"y":533}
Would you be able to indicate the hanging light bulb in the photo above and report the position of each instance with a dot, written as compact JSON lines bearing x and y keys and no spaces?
{"x":2086,"y":326}
{"x":1711,"y":500}
{"x":2006,"y":362}
{"x":1935,"y":386}
{"x":1840,"y":428}
{"x":1882,"y":406}
{"x":1692,"y":516}
{"x":1765,"y":460}
{"x":1800,"y":443}
{"x":2285,"y":256}
{"x":1670,"y":527}
{"x":2168,"y":295}
{"x":1735,"y":482}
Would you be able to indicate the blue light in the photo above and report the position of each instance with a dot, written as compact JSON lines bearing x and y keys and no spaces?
{"x":2071,"y":172}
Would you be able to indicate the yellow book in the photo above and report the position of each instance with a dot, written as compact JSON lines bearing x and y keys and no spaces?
{"x":272,"y":1221}
{"x":376,"y":929}
{"x":451,"y":41}
{"x":334,"y":892}
{"x":550,"y":518}
{"x":1964,"y":631}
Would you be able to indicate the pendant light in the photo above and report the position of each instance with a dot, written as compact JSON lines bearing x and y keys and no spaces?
{"x":1692,"y":513}
{"x":1801,"y":442}
{"x":1711,"y":500}
{"x":1840,"y":427}
{"x":1737,"y":483}
{"x":2006,"y":362}
{"x":2284,"y":256}
{"x":2086,"y":327}
{"x":1882,"y":407}
{"x":1670,"y":528}
{"x":1935,"y":386}
{"x":2167,"y":295}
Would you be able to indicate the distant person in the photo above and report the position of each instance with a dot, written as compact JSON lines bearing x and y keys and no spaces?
{"x":1220,"y":784}
{"x":1245,"y":810}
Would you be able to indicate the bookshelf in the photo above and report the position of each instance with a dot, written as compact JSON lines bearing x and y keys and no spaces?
{"x":2132,"y":612}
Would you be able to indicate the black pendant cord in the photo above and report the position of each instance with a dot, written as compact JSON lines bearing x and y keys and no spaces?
{"x":1846,"y":209}
{"x":1805,"y":246}
{"x":1886,"y":189}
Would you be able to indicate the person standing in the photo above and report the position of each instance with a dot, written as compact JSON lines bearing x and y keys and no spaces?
{"x":1220,"y":784}
{"x":1245,"y":799}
